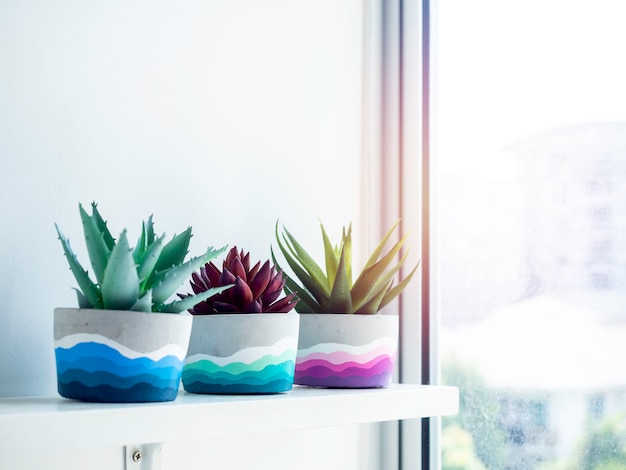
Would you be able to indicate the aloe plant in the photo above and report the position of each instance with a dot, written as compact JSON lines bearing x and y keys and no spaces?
{"x":141,"y":279}
{"x":331,"y":290}
{"x":255,"y":289}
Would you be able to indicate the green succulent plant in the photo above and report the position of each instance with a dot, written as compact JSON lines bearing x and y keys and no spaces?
{"x":255,"y":289}
{"x":332,"y":290}
{"x":139,"y":279}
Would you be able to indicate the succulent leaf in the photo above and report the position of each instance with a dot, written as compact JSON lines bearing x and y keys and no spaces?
{"x":340,"y":299}
{"x":237,"y":269}
{"x":317,"y":287}
{"x":225,"y":307}
{"x":379,"y":248}
{"x":252,"y":272}
{"x":87,"y":286}
{"x":373,"y":305}
{"x":376,"y":273}
{"x":102,"y":226}
{"x":372,"y":290}
{"x":301,"y":257}
{"x":143,"y":303}
{"x":275,"y":286}
{"x":174,"y":251}
{"x":140,"y":247}
{"x":226,"y":277}
{"x":124,"y":274}
{"x":317,"y":291}
{"x":96,"y":246}
{"x":396,"y":290}
{"x":82,"y":300}
{"x":197,"y":283}
{"x":331,"y":255}
{"x":245,"y":260}
{"x":284,"y":305}
{"x":149,"y":226}
{"x":120,"y":286}
{"x":346,"y":241}
{"x":255,"y":290}
{"x":212,"y":274}
{"x":277,"y":280}
{"x":148,"y":259}
{"x":240,"y":294}
{"x":307,"y":303}
{"x":188,"y":302}
{"x":174,"y":277}
{"x":260,"y":282}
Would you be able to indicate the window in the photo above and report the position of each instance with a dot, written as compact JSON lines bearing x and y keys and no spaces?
{"x":529,"y":214}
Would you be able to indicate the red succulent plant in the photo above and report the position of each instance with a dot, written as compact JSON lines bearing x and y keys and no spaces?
{"x":254,"y":290}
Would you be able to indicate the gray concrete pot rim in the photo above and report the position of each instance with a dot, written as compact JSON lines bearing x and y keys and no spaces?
{"x":351,"y":315}
{"x":141,"y":332}
{"x":239,"y":314}
{"x":105,"y":311}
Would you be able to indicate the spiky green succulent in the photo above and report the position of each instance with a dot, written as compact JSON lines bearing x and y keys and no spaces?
{"x":140,"y":279}
{"x":255,"y":290}
{"x":332,"y":290}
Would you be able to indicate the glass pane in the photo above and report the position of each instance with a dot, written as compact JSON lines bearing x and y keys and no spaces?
{"x":531,"y":232}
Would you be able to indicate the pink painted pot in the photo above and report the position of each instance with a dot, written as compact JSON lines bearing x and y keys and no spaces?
{"x":346,"y":351}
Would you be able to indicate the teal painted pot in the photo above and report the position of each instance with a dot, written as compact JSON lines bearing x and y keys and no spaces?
{"x":119,"y":356}
{"x":242,"y":353}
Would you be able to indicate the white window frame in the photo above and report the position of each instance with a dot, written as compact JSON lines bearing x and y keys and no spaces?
{"x":397,"y":148}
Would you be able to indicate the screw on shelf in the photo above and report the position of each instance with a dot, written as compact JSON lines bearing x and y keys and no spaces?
{"x":143,"y":457}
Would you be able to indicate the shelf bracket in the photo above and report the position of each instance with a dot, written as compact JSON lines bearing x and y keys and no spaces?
{"x":143,"y":457}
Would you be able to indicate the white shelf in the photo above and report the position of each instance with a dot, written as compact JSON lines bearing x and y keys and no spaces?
{"x":57,"y":424}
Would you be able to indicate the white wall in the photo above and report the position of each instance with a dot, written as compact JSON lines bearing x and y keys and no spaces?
{"x":221,"y":115}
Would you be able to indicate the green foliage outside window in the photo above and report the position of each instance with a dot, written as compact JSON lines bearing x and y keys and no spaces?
{"x":478,"y":416}
{"x":474,"y":439}
{"x":603,"y":448}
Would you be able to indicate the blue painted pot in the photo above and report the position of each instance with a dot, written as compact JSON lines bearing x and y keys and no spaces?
{"x":119,"y":356}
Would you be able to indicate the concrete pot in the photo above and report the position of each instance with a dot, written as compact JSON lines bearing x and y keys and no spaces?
{"x":242,"y":353}
{"x":346,"y":351}
{"x":119,"y":356}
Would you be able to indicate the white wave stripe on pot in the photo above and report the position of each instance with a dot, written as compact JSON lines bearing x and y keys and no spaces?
{"x":249,"y":355}
{"x":329,"y":351}
{"x":69,"y":341}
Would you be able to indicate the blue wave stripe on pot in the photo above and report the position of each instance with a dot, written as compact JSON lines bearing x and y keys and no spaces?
{"x":276,"y":386}
{"x":93,"y":379}
{"x":141,"y":392}
{"x":211,"y":364}
{"x":93,"y":365}
{"x":205,"y":377}
{"x":71,"y":341}
{"x":268,"y":374}
{"x":93,"y":357}
{"x":99,"y":372}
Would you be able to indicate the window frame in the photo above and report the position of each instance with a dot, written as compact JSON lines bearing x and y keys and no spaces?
{"x":398,"y":91}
